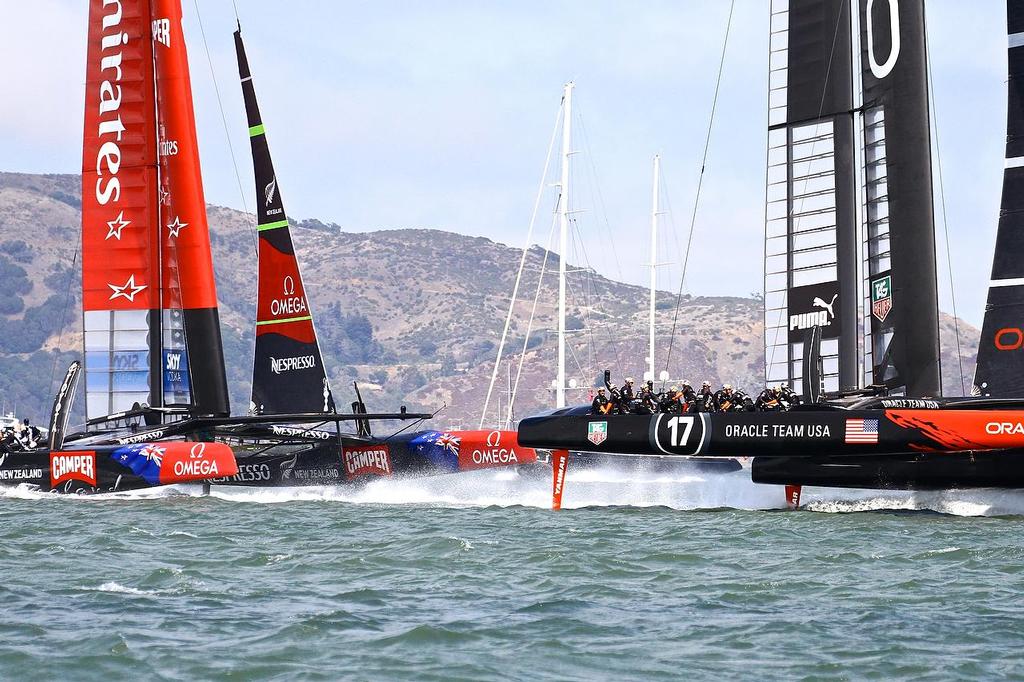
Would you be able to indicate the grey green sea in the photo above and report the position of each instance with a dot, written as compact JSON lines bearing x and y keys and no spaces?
{"x":473,"y":578}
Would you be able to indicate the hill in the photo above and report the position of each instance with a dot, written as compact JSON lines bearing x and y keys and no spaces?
{"x":414,"y":315}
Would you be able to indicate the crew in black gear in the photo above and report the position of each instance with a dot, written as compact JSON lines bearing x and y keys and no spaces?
{"x":768,"y":401}
{"x":626,"y":392}
{"x":647,"y":397}
{"x":725,"y":401}
{"x":706,"y":399}
{"x":601,"y":404}
{"x":688,"y":397}
{"x":787,"y":396}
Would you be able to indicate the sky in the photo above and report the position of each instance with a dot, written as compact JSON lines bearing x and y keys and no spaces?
{"x":385,"y":114}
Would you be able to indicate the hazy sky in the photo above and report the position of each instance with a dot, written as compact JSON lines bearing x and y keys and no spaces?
{"x":438,"y":114}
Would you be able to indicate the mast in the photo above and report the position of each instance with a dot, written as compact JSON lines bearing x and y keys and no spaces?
{"x":654,"y":264}
{"x":563,"y":238}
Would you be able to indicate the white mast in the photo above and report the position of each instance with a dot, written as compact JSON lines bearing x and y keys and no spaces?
{"x":654,"y":265}
{"x":563,"y":239}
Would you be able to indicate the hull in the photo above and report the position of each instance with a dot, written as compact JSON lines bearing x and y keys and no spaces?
{"x":817,"y":432}
{"x":1001,"y":469}
{"x":654,"y":463}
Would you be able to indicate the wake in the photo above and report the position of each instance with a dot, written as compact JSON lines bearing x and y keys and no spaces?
{"x":684,"y":490}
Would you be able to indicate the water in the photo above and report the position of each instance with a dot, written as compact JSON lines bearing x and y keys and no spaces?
{"x":471,"y":577}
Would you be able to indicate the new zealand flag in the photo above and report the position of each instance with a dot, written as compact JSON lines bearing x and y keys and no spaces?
{"x":143,"y":459}
{"x":439,"y":448}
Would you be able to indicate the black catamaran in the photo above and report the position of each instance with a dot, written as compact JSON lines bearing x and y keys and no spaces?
{"x":850,"y":278}
{"x":156,"y":393}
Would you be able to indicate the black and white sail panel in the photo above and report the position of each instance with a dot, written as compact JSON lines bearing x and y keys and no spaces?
{"x":900,"y":299}
{"x":1002,"y":334}
{"x":810,"y":218}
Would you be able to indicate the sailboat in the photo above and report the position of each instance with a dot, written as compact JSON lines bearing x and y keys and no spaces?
{"x":155,"y":382}
{"x":851,"y":313}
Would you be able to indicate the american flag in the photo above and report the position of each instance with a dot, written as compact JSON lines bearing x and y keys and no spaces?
{"x":862,"y":431}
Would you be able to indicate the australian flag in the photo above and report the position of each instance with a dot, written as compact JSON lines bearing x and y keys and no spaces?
{"x":143,"y":459}
{"x":439,"y":448}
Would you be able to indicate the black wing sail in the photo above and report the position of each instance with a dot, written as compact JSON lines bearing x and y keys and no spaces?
{"x":811,"y":254}
{"x":1002,"y":334}
{"x":288,"y":369}
{"x":902,"y":337}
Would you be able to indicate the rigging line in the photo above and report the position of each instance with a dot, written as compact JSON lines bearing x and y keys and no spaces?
{"x":597,"y":186}
{"x":700,"y":182}
{"x":764,"y":259}
{"x":533,"y":309}
{"x":63,"y":317}
{"x":250,"y":219}
{"x":522,"y":264}
{"x":945,"y":223}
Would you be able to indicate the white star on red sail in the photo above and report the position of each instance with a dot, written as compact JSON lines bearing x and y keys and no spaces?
{"x":177,"y":226}
{"x":116,"y":225}
{"x":128,"y":291}
{"x":165,"y":196}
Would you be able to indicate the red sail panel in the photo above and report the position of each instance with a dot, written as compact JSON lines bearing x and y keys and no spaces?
{"x":188,"y":272}
{"x":281,"y":306}
{"x":192,"y":358}
{"x":119,"y":251}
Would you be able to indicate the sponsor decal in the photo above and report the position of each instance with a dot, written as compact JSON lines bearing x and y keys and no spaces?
{"x":305,"y":433}
{"x":108,"y":156}
{"x":861,"y":431}
{"x":1004,"y":428}
{"x":910,"y":404}
{"x":168,"y":148}
{"x":141,"y":438}
{"x":314,"y":475}
{"x":278,"y":366}
{"x":176,"y":226}
{"x":814,"y":305}
{"x":72,"y":466}
{"x":881,"y":297}
{"x":162,"y":31}
{"x":187,"y":461}
{"x":269,"y":191}
{"x":115,"y":226}
{"x":497,"y":448}
{"x":20,"y":474}
{"x":597,"y":432}
{"x":370,"y":459}
{"x":881,"y":70}
{"x":128,"y":291}
{"x":290,"y":304}
{"x":1009,"y":338}
{"x":777,"y":431}
{"x":247,"y":473}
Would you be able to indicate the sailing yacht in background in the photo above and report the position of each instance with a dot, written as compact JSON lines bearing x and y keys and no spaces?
{"x":848,"y":119}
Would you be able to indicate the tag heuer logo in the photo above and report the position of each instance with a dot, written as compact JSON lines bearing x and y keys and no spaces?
{"x":881,"y":297}
{"x":597,"y":432}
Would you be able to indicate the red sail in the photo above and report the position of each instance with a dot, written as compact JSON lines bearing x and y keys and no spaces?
{"x":188,"y":272}
{"x":192,"y":356}
{"x":120,"y":259}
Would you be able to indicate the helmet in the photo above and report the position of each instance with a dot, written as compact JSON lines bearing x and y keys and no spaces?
{"x":783,"y":387}
{"x":629,"y":380}
{"x":727,"y":387}
{"x":674,"y":389}
{"x":685,"y":382}
{"x":706,"y":383}
{"x":600,"y":390}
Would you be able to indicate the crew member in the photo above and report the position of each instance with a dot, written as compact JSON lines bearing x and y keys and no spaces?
{"x":706,"y":399}
{"x":647,"y":397}
{"x":626,"y":392}
{"x":768,"y":401}
{"x":724,"y":399}
{"x":688,"y":397}
{"x":601,"y":404}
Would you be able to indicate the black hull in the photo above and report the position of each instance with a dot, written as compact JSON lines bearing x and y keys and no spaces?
{"x":931,"y":471}
{"x":653,"y":464}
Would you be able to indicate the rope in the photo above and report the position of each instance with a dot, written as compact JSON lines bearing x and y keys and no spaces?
{"x":945,"y":224}
{"x":227,"y":134}
{"x":700,"y":182}
{"x":522,"y":264}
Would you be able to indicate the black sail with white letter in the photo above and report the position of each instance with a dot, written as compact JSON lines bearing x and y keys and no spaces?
{"x":849,"y":232}
{"x":901,"y":345}
{"x":1002,"y":334}
{"x":288,"y":369}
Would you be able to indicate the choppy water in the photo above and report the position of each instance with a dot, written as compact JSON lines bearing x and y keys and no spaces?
{"x":692,"y":577}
